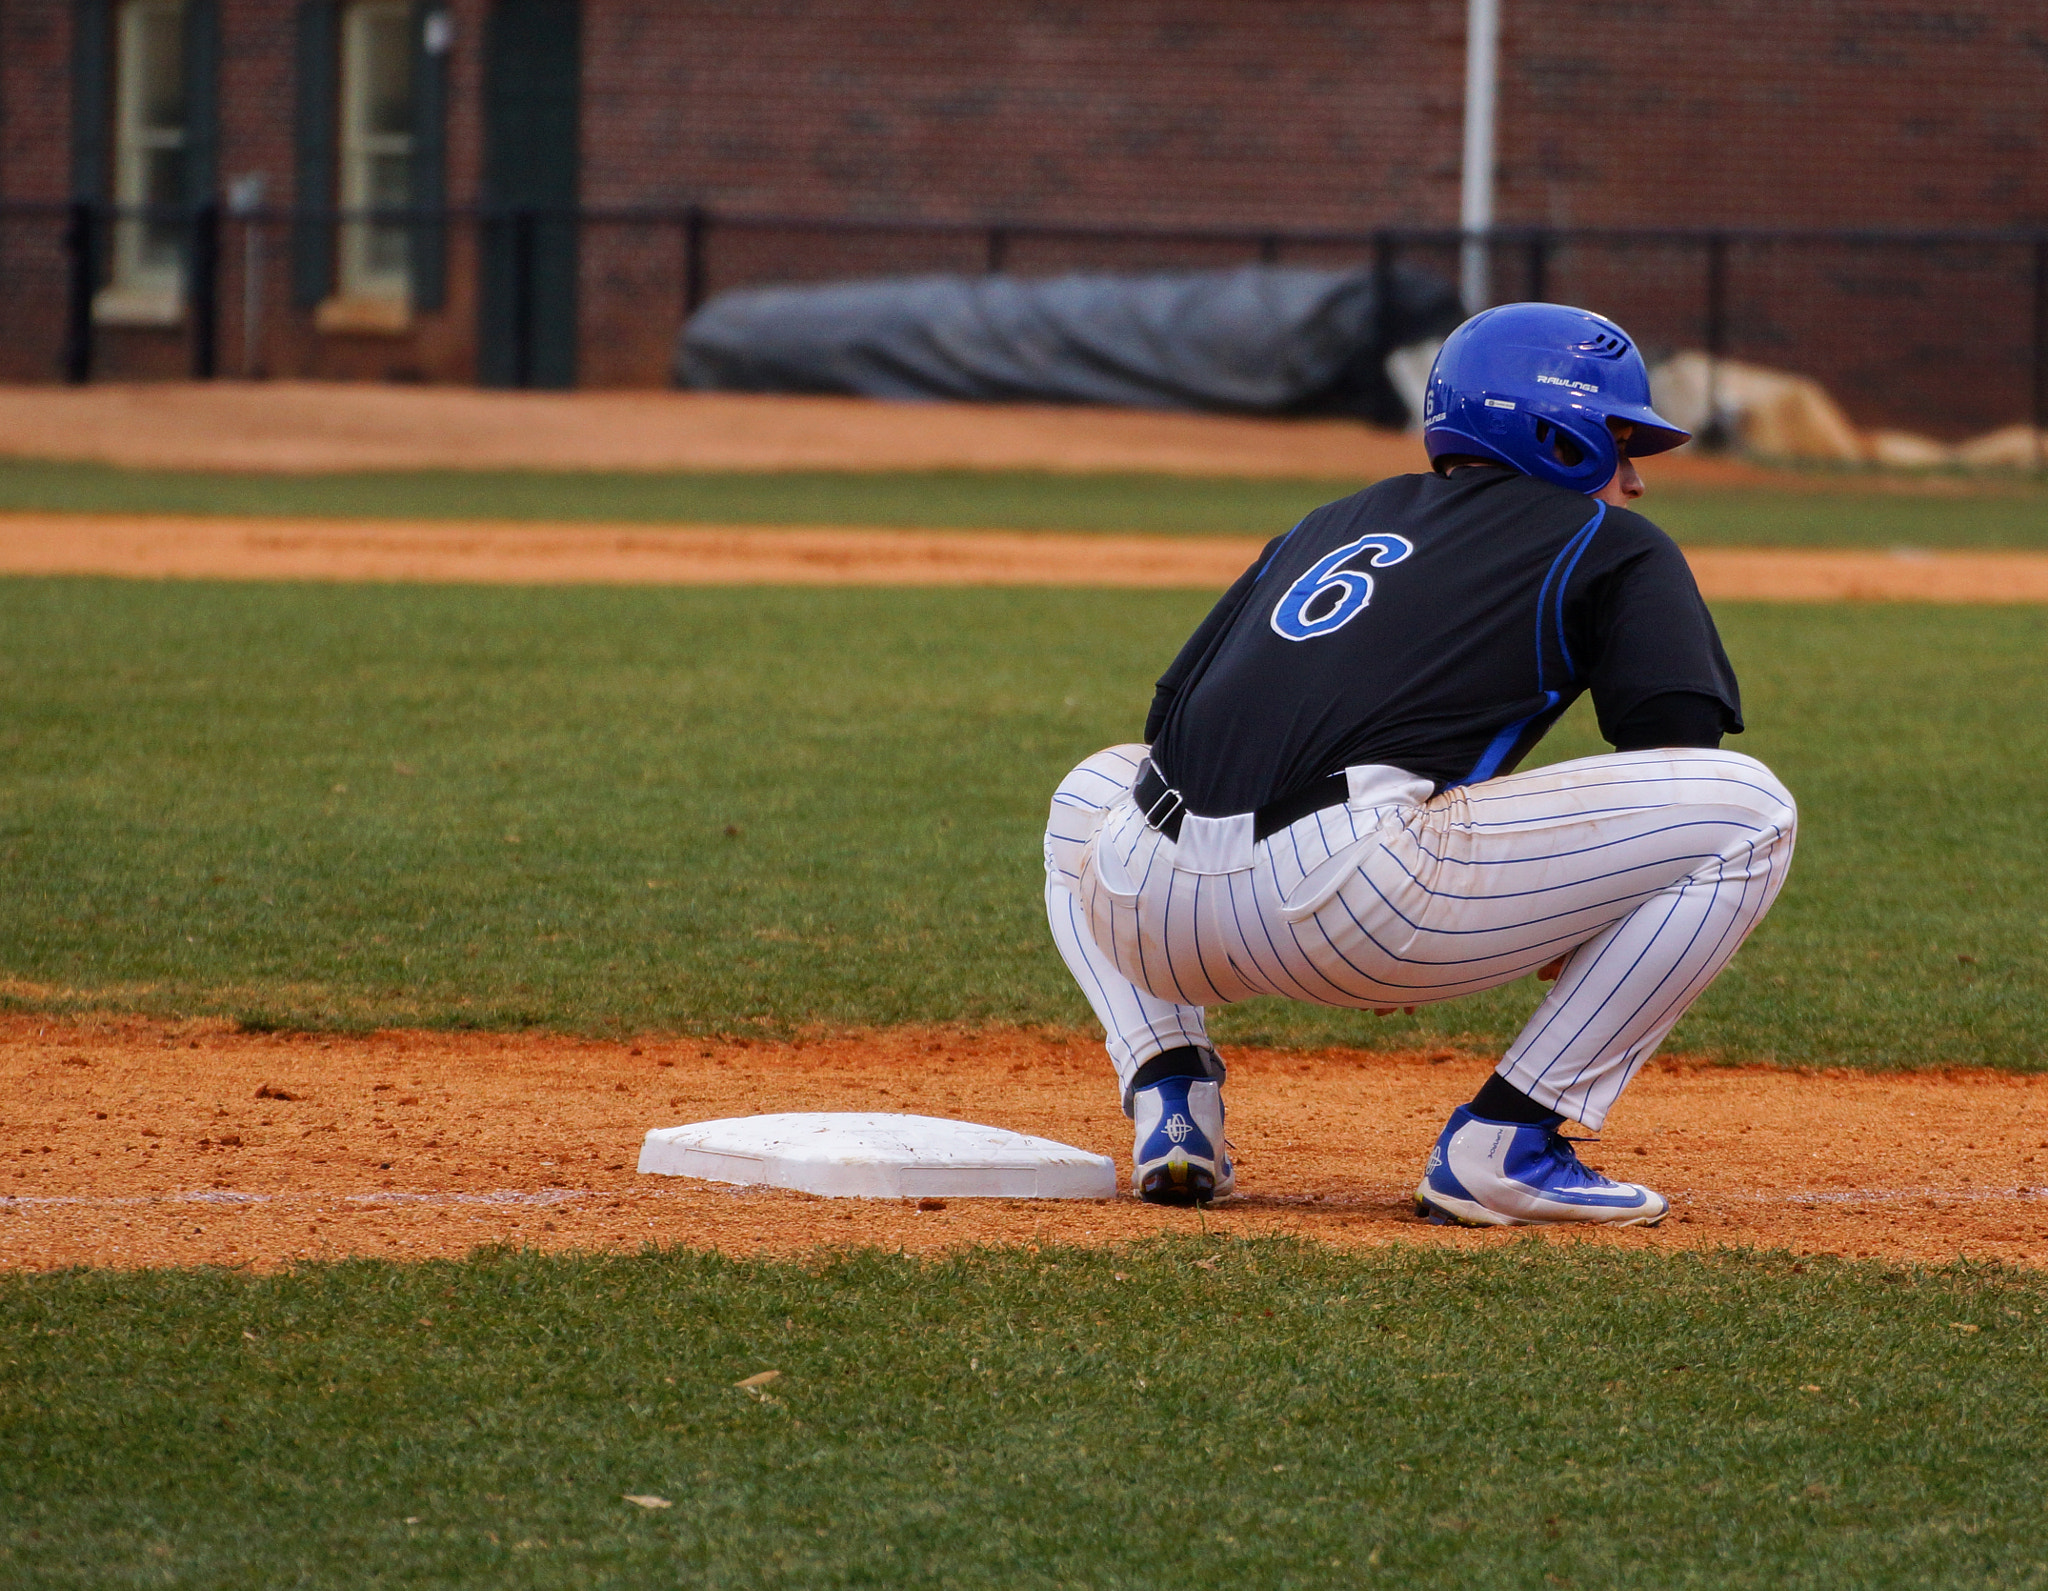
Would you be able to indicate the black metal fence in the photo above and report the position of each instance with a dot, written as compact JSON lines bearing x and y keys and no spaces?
{"x":1944,"y":332}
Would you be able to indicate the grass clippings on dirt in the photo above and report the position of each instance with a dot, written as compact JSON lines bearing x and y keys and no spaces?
{"x":1997,"y":514}
{"x":1278,"y":1413}
{"x":752,"y":810}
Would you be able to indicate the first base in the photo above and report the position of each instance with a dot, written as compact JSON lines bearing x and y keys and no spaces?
{"x":849,"y":1155}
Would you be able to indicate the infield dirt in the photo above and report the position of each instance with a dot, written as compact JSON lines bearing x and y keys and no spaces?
{"x":126,"y":1142}
{"x":305,"y":425}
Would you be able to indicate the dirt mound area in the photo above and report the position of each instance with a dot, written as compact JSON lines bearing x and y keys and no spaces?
{"x":335,"y":426}
{"x":303,"y":425}
{"x":519,"y":552}
{"x":129,"y":1143}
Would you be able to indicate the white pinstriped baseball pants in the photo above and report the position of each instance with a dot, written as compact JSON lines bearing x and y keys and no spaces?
{"x":1646,"y":868}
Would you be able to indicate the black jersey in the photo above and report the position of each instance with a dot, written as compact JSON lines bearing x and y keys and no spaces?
{"x":1431,"y":624}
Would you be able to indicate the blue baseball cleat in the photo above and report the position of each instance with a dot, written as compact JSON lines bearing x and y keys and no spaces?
{"x":1493,"y":1173}
{"x":1180,"y":1156}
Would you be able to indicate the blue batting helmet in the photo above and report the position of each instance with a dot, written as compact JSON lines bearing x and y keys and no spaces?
{"x":1514,"y":381}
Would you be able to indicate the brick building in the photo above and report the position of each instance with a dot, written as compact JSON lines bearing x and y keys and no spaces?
{"x":1254,"y":115}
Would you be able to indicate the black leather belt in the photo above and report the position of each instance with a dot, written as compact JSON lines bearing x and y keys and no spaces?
{"x":1163,"y":805}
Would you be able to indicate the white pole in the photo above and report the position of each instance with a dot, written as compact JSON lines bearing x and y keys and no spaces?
{"x":245,"y":199}
{"x":1475,"y":209}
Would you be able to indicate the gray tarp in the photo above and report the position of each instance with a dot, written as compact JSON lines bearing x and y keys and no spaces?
{"x":1260,"y":340}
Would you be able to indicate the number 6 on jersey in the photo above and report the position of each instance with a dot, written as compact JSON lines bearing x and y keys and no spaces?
{"x":1332,"y":593}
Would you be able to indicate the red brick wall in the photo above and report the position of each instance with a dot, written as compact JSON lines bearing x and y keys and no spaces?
{"x":1826,"y":113}
{"x":1314,"y":113}
{"x":1280,"y":112}
{"x":1240,"y":113}
{"x":35,"y":105}
{"x":35,"y":162}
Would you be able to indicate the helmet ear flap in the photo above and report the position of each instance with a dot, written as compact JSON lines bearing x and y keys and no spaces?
{"x":1578,"y":457}
{"x":1564,"y":447}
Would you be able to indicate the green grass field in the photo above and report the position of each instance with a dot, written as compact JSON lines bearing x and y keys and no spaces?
{"x":615,"y":809}
{"x":314,"y":805}
{"x":2011,"y":514}
{"x":1258,"y":1414}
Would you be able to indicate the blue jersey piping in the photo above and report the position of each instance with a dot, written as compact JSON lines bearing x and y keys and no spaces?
{"x":1278,"y":549}
{"x":1583,"y":540}
{"x":1568,"y":556}
{"x":1503,"y":743}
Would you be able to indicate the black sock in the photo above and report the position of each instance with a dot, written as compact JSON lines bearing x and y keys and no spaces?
{"x":1186,"y":1061}
{"x":1500,"y":1100}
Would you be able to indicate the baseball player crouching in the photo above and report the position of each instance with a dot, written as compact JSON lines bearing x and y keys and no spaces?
{"x":1327,"y":806}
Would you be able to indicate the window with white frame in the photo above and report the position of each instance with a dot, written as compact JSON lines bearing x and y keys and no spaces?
{"x":149,"y":157}
{"x":376,"y":146}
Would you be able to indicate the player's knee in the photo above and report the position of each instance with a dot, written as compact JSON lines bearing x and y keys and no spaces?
{"x":1770,"y":789}
{"x":1788,"y":809}
{"x":1748,"y":783}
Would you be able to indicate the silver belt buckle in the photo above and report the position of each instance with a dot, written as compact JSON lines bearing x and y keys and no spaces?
{"x":1168,"y":798}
